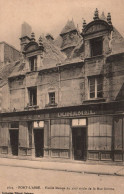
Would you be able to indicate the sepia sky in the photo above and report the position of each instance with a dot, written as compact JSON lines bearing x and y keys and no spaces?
{"x":50,"y":16}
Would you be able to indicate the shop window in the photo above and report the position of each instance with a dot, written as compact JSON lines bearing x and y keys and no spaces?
{"x":14,"y":125}
{"x":33,"y":63}
{"x":38,"y":124}
{"x":52,"y":98}
{"x":95,"y":87}
{"x":78,"y":122}
{"x":32,"y":96}
{"x":96,"y":45}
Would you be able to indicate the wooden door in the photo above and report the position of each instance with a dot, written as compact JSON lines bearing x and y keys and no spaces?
{"x":38,"y":142}
{"x":79,"y":143}
{"x":14,"y":141}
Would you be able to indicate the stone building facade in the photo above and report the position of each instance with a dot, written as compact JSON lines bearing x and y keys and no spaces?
{"x":64,"y":98}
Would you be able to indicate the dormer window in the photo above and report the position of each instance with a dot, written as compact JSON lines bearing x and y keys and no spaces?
{"x":33,"y":63}
{"x":96,"y":46}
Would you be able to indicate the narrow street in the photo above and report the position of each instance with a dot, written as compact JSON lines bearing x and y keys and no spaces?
{"x":21,"y":180}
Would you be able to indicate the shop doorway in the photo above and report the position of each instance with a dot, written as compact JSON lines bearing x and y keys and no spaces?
{"x":14,"y":138}
{"x":79,"y":143}
{"x":39,"y":142}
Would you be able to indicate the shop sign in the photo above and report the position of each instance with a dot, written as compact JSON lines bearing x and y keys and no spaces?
{"x":38,"y":124}
{"x":76,"y":113}
{"x":78,"y":122}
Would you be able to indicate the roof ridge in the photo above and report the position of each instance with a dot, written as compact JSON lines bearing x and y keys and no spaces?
{"x":70,"y":26}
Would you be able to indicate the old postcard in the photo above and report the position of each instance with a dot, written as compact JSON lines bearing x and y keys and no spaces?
{"x":61,"y":97}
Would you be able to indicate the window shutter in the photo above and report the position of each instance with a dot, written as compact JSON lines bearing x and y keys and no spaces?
{"x":60,"y":130}
{"x":100,"y":133}
{"x":46,"y":134}
{"x":23,"y":134}
{"x":4,"y":134}
{"x":118,"y":134}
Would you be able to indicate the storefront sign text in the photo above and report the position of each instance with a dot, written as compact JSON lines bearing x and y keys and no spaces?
{"x":75,"y":113}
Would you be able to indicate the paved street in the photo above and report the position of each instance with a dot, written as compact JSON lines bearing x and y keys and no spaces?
{"x":26,"y":180}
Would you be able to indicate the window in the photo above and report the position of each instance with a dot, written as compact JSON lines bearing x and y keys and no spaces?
{"x":95,"y":87}
{"x":52,"y":98}
{"x":32,"y":96}
{"x":14,"y":125}
{"x":33,"y":63}
{"x":96,"y":46}
{"x":38,"y":124}
{"x":78,"y":122}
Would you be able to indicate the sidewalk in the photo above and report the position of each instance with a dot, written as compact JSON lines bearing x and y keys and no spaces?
{"x":76,"y":167}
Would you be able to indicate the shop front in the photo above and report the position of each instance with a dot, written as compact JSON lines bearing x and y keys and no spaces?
{"x":78,"y":134}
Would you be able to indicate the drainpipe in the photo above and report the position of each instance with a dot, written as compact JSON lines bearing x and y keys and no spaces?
{"x":59,"y":88}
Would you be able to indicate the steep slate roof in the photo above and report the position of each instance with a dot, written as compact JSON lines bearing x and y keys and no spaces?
{"x":70,"y":26}
{"x":73,"y":43}
{"x":19,"y":69}
{"x":58,"y":41}
{"x":117,"y":42}
{"x":52,"y":54}
{"x":78,"y":51}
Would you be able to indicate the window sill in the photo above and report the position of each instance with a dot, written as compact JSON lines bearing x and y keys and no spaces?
{"x":51,"y":105}
{"x":28,"y":72}
{"x":95,"y":100}
{"x":31,"y":107}
{"x":94,"y":57}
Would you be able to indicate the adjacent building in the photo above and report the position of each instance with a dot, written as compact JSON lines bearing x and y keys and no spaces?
{"x":8,"y":53}
{"x":64,"y":98}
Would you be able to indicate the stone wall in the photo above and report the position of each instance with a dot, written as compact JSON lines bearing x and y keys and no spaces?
{"x":67,"y":85}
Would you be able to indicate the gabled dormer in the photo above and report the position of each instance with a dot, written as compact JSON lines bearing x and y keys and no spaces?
{"x":33,"y":52}
{"x":70,"y":38}
{"x":97,"y":36}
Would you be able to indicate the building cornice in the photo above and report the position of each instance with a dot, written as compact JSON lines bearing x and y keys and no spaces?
{"x":104,"y":106}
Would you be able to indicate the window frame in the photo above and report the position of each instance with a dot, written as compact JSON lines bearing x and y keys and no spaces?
{"x":92,"y":45}
{"x":96,"y":91}
{"x":14,"y":125}
{"x":53,"y":101}
{"x":33,"y":63}
{"x":31,"y":102}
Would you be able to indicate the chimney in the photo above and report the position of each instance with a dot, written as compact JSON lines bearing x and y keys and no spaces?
{"x":25,"y":35}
